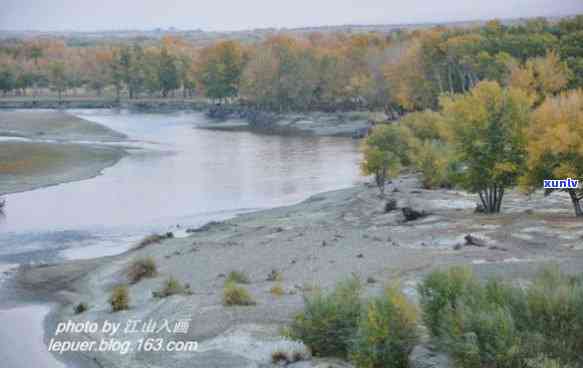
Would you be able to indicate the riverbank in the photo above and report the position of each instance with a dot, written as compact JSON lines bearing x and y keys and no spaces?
{"x":38,"y":149}
{"x":229,"y":117}
{"x":318,"y":242}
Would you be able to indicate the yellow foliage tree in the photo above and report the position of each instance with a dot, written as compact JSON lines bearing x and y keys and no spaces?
{"x":488,"y":135}
{"x":541,"y":76}
{"x":555,"y":144}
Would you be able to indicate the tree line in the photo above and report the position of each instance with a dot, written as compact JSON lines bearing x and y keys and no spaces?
{"x":398,"y":72}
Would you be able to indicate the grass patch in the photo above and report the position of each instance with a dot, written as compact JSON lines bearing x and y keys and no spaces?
{"x":172,"y":287}
{"x":153,"y":239}
{"x":120,"y":298}
{"x":277,"y":290}
{"x":237,"y":277}
{"x":141,"y":268}
{"x":496,"y":324}
{"x":234,"y":294}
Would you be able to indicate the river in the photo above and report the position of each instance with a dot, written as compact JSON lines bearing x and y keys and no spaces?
{"x":176,"y":177}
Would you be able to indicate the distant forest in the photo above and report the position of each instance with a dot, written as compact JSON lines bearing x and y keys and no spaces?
{"x":398,"y":71}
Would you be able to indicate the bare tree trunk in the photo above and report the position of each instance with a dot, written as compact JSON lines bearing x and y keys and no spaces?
{"x":491,"y":198}
{"x":576,"y":200}
{"x":380,"y":178}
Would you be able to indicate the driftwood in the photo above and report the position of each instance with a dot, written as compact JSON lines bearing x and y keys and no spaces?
{"x":472,"y":240}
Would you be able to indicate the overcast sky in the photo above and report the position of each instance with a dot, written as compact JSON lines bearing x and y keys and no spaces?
{"x":244,"y":14}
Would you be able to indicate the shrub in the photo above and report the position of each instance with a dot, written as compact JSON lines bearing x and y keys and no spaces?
{"x":329,"y":321}
{"x":120,"y":298}
{"x":435,"y":161}
{"x":153,"y":239}
{"x":277,"y":290}
{"x":387,"y":332}
{"x":439,"y":292}
{"x":234,"y":294}
{"x":172,"y":287}
{"x":81,"y":308}
{"x":237,"y":277}
{"x":141,"y":268}
{"x":500,"y":325}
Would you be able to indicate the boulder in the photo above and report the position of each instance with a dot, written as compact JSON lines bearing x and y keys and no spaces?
{"x":412,"y":215}
{"x":423,"y":356}
{"x":390,"y":205}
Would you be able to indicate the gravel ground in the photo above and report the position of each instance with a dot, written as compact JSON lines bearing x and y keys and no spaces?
{"x":318,"y":242}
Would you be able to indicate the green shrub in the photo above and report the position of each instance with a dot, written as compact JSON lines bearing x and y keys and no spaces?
{"x":499,"y":325}
{"x":387,"y":332}
{"x":234,"y":294}
{"x":440,"y":291}
{"x":237,"y":277}
{"x":141,"y":268}
{"x":120,"y":298}
{"x":434,"y":160}
{"x":329,"y":321}
{"x":172,"y":287}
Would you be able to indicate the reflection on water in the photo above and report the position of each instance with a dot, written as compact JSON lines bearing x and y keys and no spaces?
{"x":179,"y":175}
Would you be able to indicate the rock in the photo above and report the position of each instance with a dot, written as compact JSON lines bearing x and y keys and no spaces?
{"x":412,"y":215}
{"x":479,"y":208}
{"x":360,"y":255}
{"x":390,"y":205}
{"x":472,"y":240}
{"x":424,"y":356}
{"x":458,"y":246}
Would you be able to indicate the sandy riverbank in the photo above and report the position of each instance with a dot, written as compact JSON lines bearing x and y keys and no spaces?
{"x":320,"y":241}
{"x":43,"y":152}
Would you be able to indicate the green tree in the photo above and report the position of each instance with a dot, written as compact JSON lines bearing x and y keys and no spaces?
{"x":58,"y":78}
{"x":221,"y":70}
{"x":7,"y":81}
{"x":488,"y":135}
{"x":384,"y":151}
{"x":168,"y":72}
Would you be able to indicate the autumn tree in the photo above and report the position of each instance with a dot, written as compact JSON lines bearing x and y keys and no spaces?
{"x":168,"y":72}
{"x":57,"y":78}
{"x":384,"y":151}
{"x":488,"y":136}
{"x":220,"y":70}
{"x":555,"y":145}
{"x":541,"y":76}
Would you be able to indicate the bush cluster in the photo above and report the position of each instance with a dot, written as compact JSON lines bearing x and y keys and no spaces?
{"x":141,"y":268}
{"x":172,"y":287}
{"x":120,"y":298}
{"x":376,"y":333}
{"x":500,"y":325}
{"x":234,"y":294}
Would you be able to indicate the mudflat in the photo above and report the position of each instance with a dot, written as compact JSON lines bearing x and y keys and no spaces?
{"x":48,"y":124}
{"x":44,"y":152}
